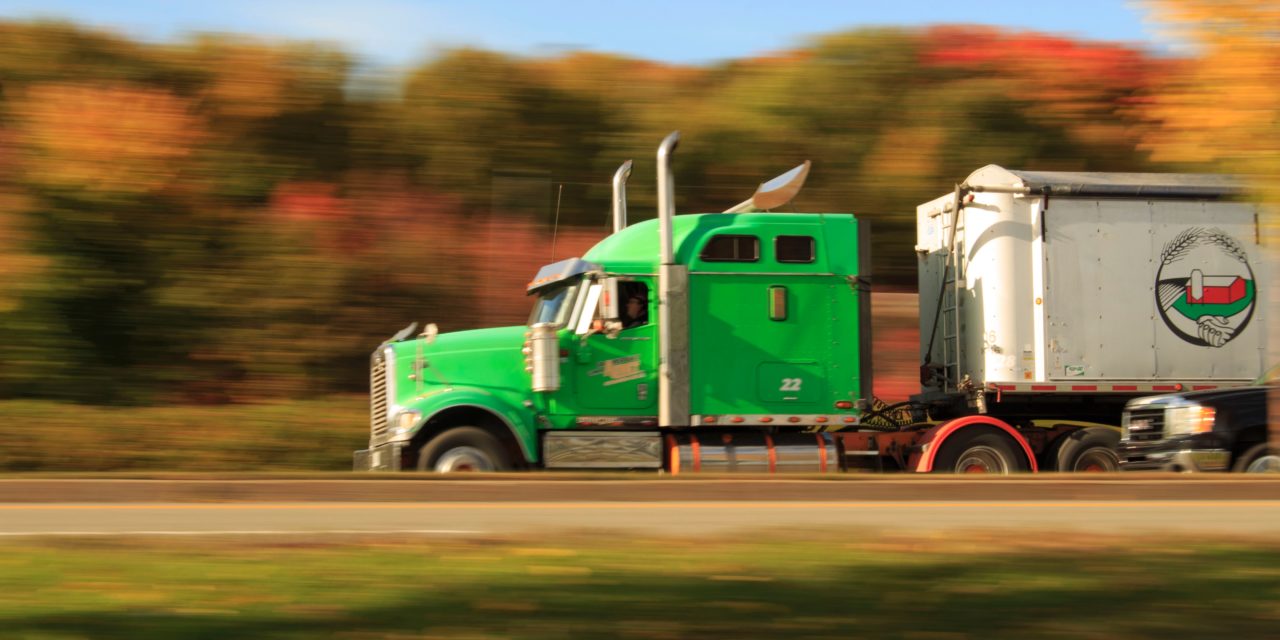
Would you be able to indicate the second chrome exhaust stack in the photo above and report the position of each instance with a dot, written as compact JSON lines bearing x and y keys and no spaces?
{"x":620,"y":196}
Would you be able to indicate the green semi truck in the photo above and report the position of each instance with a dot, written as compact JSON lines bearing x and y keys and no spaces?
{"x":740,"y":341}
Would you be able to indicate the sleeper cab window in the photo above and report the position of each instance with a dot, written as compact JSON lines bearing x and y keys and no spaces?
{"x":795,"y":249}
{"x":732,"y":248}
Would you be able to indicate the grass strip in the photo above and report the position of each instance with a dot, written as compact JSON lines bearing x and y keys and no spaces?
{"x":307,"y":435}
{"x":582,"y":586}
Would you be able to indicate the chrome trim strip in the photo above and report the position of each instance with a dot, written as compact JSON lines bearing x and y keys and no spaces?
{"x":389,"y":357}
{"x":775,"y":420}
{"x":771,"y":274}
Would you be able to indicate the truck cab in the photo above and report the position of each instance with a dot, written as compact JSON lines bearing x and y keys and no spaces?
{"x":773,"y":315}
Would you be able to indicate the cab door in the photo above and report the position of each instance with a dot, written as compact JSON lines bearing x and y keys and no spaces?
{"x":619,"y":374}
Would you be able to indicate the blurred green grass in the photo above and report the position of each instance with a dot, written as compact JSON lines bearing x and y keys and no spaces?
{"x":306,"y":435}
{"x":581,"y":586}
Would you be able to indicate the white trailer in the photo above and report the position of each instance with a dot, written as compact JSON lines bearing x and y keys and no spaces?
{"x":1087,"y":284}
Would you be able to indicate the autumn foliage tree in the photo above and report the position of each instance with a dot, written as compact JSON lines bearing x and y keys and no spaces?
{"x":1222,"y":109}
{"x":225,"y":219}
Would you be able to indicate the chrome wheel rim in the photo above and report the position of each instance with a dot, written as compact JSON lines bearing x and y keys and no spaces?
{"x":463,"y":459}
{"x":982,"y":459}
{"x":1096,"y":461}
{"x":1269,"y":463}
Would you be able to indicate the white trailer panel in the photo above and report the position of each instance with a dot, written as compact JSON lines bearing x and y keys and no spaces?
{"x":1109,"y":317}
{"x":1092,"y":278}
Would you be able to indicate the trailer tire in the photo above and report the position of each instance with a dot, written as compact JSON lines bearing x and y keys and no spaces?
{"x":1092,"y":449}
{"x":1257,"y":459}
{"x":979,"y":450}
{"x":463,"y":449}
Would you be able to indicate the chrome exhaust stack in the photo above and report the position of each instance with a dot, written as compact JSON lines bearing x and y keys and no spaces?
{"x":620,"y":196}
{"x":673,"y":302}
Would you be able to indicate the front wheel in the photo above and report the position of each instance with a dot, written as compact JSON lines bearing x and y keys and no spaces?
{"x":980,"y":450}
{"x":1258,"y":459}
{"x":463,"y":449}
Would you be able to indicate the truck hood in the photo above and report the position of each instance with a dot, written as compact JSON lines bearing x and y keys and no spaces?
{"x":479,"y":358}
{"x":468,"y":341}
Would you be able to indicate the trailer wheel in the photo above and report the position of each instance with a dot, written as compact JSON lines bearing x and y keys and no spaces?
{"x":1092,"y":449}
{"x":463,"y":449}
{"x":1257,"y":459}
{"x":978,"y":450}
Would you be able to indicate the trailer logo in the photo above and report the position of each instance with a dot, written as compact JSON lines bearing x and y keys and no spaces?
{"x":1204,"y":287}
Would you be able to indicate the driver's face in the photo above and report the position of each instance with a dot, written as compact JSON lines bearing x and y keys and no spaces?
{"x":633,"y":308}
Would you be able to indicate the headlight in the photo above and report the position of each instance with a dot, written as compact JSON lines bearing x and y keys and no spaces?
{"x":405,"y":421}
{"x":1188,"y":420}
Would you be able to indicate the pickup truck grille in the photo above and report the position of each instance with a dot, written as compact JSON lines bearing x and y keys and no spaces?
{"x":1146,"y":424}
{"x":378,"y":395}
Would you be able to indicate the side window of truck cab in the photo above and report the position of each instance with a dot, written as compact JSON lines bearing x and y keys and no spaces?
{"x":731,"y":248}
{"x":795,"y":249}
{"x":635,"y":304}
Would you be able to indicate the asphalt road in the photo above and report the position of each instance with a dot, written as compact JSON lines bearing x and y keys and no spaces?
{"x":495,"y":507}
{"x":1246,"y":518}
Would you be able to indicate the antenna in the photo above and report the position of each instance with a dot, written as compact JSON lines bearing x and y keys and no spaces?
{"x":555,"y":230}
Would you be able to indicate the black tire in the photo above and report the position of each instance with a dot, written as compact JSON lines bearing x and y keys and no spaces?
{"x":1092,"y":449}
{"x":1258,"y":459}
{"x":979,"y":450}
{"x":463,"y":449}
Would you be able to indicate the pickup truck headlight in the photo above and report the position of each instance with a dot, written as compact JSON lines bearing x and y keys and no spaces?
{"x":1188,"y":420}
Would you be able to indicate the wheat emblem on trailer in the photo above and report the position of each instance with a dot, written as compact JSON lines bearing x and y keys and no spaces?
{"x":1205,"y":289}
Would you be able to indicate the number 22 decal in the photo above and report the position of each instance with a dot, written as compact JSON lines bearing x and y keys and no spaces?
{"x":790,"y":384}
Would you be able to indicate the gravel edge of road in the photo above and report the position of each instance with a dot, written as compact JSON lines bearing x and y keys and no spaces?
{"x":540,"y":488}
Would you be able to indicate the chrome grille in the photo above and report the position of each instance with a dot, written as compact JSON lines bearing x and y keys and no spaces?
{"x":1145,"y":424}
{"x":378,"y":395}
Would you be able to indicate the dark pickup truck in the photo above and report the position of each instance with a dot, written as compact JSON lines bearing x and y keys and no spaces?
{"x":1213,"y":430}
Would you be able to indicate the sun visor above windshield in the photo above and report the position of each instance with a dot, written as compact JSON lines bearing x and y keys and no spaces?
{"x":560,"y":271}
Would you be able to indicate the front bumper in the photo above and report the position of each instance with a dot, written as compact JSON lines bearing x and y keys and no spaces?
{"x":384,"y":457}
{"x":1179,"y":454}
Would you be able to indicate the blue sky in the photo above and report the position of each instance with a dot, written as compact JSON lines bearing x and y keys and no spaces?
{"x":398,"y":32}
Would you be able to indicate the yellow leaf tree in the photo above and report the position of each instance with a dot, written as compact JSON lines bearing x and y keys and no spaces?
{"x":1223,"y":109}
{"x":107,"y":139}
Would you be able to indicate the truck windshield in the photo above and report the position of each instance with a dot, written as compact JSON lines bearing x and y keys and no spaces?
{"x":555,"y":304}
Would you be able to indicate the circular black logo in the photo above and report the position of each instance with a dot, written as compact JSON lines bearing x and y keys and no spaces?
{"x":1205,"y":289}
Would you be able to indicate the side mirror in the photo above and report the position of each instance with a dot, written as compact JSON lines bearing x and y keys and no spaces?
{"x":610,"y":308}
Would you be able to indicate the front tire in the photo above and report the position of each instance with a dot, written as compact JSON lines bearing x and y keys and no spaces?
{"x":461,"y":450}
{"x":982,"y":450}
{"x":1258,"y":459}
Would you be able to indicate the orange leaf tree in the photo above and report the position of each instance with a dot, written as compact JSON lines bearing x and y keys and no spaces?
{"x":1224,"y":109}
